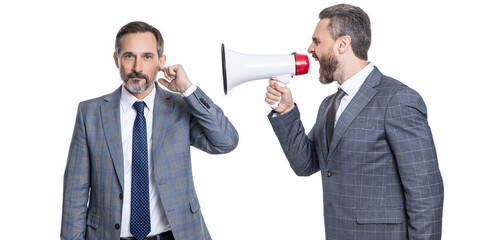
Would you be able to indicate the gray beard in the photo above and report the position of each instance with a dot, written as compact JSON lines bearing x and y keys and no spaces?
{"x":133,"y":88}
{"x":324,"y":80}
{"x":136,"y":88}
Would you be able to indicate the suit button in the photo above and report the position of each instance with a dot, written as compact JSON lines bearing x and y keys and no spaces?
{"x":117,"y":226}
{"x":205,"y":103}
{"x":120,"y":196}
{"x":328,"y":174}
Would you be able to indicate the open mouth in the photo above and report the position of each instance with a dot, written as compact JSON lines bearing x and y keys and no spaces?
{"x":315,"y":57}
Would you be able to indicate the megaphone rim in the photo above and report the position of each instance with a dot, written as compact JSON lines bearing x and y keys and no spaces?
{"x":224,"y":68}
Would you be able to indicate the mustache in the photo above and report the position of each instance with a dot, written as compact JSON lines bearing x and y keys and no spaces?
{"x":136,"y":75}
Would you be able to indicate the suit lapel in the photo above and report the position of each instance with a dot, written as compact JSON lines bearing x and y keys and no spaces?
{"x":358,"y":103}
{"x":163,"y":107}
{"x":110,"y":117}
{"x":321,"y":138}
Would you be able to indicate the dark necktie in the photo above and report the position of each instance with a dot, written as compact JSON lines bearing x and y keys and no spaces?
{"x":330,"y":117}
{"x":140,"y":204}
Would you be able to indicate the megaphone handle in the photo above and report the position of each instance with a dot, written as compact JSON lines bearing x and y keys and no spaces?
{"x":276,"y":104}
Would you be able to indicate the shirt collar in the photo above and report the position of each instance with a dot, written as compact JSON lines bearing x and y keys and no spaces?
{"x":127,"y":99}
{"x":353,"y":84}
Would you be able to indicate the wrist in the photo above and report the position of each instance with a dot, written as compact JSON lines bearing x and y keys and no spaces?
{"x":189,"y":90}
{"x":185,"y":86}
{"x":287,"y":110}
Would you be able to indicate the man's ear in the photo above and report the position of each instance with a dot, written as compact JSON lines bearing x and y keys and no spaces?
{"x":344,"y":43}
{"x":162,"y":61}
{"x":116,"y":59}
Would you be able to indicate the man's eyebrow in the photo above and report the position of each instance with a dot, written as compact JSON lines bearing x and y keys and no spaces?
{"x":144,"y":54}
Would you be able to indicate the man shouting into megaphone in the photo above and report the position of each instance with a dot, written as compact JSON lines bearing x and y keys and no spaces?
{"x":371,"y":140}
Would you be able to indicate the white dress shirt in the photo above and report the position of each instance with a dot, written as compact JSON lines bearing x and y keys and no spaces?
{"x":351,"y":87}
{"x":159,"y":222}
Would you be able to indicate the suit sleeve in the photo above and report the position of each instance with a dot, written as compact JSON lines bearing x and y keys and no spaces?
{"x":76,"y":184}
{"x":298,"y":147}
{"x":411,"y":140}
{"x":211,"y":131}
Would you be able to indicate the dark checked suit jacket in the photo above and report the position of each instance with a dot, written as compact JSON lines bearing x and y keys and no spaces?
{"x":94,"y":168}
{"x":380,"y":176}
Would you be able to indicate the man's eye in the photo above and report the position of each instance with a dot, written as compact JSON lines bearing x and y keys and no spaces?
{"x":148,"y":57}
{"x":128,"y":56}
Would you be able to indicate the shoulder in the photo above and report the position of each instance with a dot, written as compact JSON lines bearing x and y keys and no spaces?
{"x":166,"y":95}
{"x":96,"y":102}
{"x":383,"y":84}
{"x":169,"y":95}
{"x":171,"y":102}
{"x":393,"y":93}
{"x":390,"y":86}
{"x":399,"y":94}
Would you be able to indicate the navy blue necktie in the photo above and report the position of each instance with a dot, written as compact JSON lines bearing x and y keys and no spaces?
{"x":140,"y":204}
{"x":330,"y":117}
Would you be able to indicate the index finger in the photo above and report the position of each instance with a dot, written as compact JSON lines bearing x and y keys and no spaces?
{"x":168,"y":73}
{"x":272,"y":82}
{"x":273,"y":91}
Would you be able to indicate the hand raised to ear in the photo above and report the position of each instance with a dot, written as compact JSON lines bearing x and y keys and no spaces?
{"x":176,"y":78}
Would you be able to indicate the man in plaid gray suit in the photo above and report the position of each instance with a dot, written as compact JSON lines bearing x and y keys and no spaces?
{"x":97,"y":180}
{"x":371,"y":140}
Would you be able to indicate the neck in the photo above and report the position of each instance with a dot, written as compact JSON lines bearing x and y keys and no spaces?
{"x":351,"y":68}
{"x":143,"y":94}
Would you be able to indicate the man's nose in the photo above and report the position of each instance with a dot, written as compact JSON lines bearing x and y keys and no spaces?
{"x":137,"y":65}
{"x":311,"y":49}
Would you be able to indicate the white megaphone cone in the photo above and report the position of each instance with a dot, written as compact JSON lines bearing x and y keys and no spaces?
{"x":239,"y":68}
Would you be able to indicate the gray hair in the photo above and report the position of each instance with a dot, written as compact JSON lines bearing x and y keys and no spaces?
{"x":139,"y":27}
{"x":349,"y":20}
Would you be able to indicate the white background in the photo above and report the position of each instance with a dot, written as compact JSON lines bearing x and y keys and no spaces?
{"x":55,"y":54}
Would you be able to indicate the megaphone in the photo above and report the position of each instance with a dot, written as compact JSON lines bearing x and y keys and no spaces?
{"x":239,"y":68}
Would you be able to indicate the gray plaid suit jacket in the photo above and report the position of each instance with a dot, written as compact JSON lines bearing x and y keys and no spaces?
{"x":94,"y":168}
{"x":380,"y":176}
